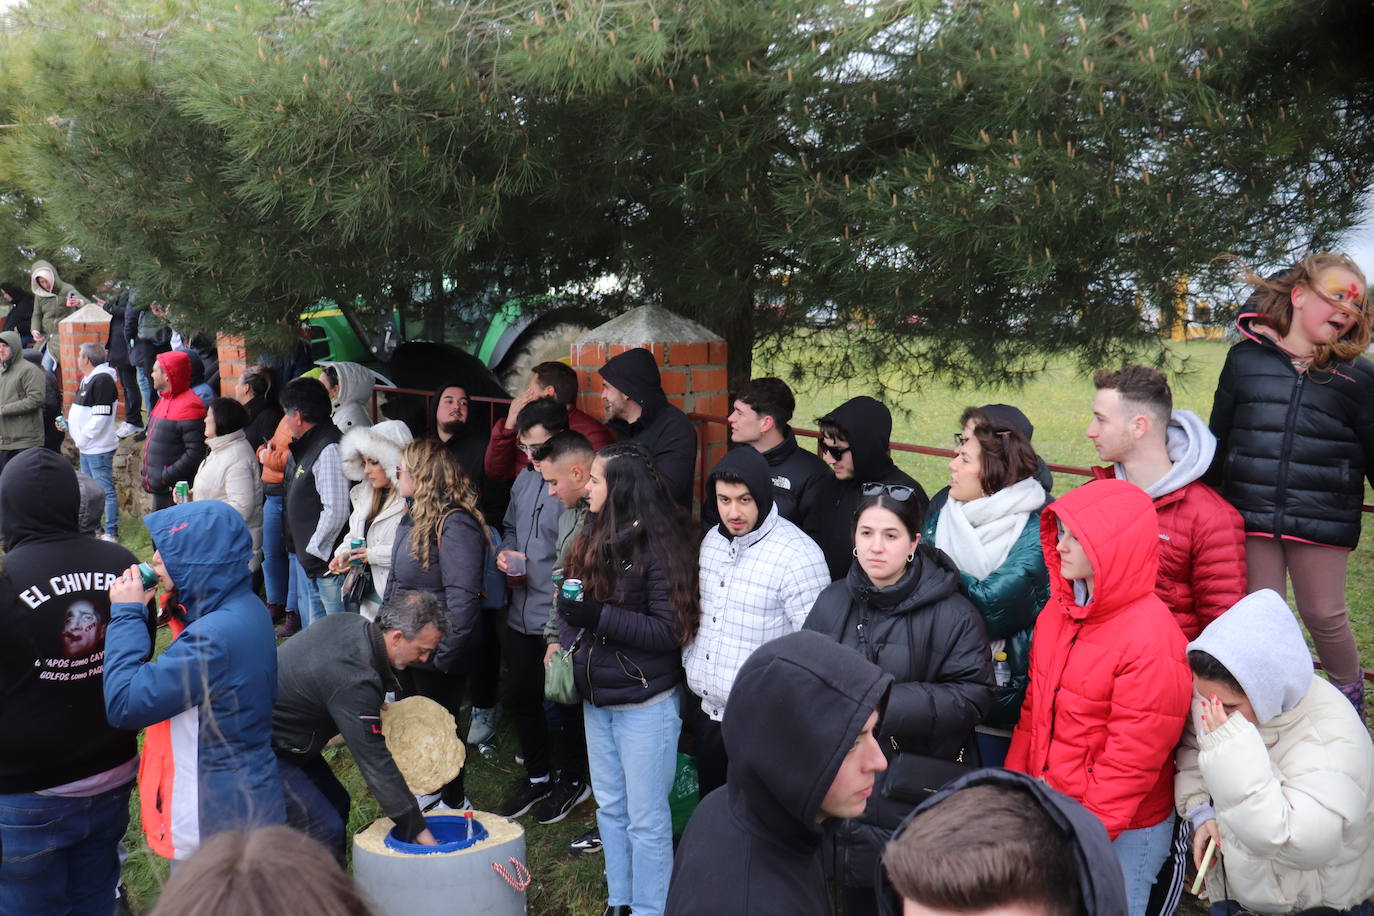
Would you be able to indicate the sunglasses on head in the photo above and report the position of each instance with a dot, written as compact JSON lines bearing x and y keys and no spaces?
{"x":898,"y":491}
{"x":835,"y":451}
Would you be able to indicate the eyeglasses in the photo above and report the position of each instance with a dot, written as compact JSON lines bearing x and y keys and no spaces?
{"x":835,"y":451}
{"x":898,"y":491}
{"x":960,"y":440}
{"x":537,"y":452}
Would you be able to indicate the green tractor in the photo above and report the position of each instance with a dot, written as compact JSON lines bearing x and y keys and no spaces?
{"x":489,"y":354}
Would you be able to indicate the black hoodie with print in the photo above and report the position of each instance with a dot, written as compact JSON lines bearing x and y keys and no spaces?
{"x":753,"y":847}
{"x":661,"y":428}
{"x":831,"y":519}
{"x":54,"y":608}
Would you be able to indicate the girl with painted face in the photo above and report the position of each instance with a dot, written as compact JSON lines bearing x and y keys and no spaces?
{"x":1294,"y":421}
{"x":900,"y":607}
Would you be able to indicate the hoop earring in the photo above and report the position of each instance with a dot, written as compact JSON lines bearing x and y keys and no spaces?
{"x":855,"y":551}
{"x":911,"y":556}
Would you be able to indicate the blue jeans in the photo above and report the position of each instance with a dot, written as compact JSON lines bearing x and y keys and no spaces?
{"x":101,"y":468}
{"x":275,"y":572}
{"x":315,"y":597}
{"x":147,"y":389}
{"x":1141,"y":852}
{"x":61,"y":855}
{"x":632,"y":758}
{"x":316,"y":802}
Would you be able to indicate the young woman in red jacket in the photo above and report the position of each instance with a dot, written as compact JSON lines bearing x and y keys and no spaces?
{"x":1109,"y":681}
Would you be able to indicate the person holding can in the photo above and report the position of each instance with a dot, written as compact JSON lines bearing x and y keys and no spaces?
{"x":637,"y":563}
{"x":371,"y":456}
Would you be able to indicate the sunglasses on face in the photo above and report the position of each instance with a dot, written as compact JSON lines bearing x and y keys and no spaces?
{"x":898,"y":491}
{"x":835,"y":451}
{"x":537,"y":452}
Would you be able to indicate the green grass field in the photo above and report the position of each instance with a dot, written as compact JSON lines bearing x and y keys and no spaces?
{"x":1058,"y":403}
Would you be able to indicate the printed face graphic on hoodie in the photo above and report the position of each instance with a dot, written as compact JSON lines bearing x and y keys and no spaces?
{"x":82,"y":631}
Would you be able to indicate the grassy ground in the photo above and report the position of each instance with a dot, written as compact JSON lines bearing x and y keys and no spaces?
{"x":1058,"y":404}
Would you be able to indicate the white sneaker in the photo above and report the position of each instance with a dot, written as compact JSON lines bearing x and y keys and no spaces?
{"x":428,"y":801}
{"x":482,"y":726}
{"x":127,"y":429}
{"x":440,"y":806}
{"x":106,"y":536}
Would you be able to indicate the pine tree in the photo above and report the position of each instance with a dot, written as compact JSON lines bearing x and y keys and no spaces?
{"x":971,"y":188}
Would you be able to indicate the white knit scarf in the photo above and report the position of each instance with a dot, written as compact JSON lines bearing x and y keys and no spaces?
{"x":978,"y":534}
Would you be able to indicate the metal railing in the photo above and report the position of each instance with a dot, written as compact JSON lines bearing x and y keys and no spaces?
{"x":703,"y":421}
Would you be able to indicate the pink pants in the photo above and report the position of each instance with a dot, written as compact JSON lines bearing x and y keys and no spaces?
{"x":1318,"y":575}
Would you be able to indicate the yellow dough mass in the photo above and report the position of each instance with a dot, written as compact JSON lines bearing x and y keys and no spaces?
{"x":423,"y":739}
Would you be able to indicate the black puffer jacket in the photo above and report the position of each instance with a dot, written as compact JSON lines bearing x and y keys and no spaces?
{"x":662,"y":428}
{"x":634,"y":653}
{"x":830,"y":520}
{"x":1293,"y":449}
{"x":924,"y":633}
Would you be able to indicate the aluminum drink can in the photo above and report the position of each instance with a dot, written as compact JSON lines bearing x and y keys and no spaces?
{"x":182,"y":490}
{"x":356,"y":544}
{"x":147,"y":574}
{"x":571,"y":589}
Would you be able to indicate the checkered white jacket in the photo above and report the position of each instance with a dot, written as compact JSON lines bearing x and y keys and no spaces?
{"x":754,"y":588}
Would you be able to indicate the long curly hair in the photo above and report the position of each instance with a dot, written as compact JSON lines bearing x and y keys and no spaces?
{"x":440,"y":486}
{"x":1273,"y":300}
{"x":638,"y":519}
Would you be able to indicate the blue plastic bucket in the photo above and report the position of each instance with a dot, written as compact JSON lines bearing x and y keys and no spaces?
{"x":453,"y":834}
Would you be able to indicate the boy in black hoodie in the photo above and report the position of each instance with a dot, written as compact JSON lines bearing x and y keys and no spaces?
{"x":65,"y":774}
{"x":637,"y":410}
{"x":799,"y":730}
{"x":855,"y":438}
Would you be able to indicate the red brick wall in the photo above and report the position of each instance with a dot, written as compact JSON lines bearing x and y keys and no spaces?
{"x":89,"y":329}
{"x":694,"y":379}
{"x":233,"y":359}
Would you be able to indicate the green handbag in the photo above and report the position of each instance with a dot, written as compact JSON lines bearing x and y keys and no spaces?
{"x":558,"y":678}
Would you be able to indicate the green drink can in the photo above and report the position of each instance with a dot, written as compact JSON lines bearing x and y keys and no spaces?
{"x":356,"y":544}
{"x":147,"y":574}
{"x":571,"y":589}
{"x":182,"y":491}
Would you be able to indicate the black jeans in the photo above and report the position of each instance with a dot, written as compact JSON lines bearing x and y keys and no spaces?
{"x":708,"y":748}
{"x":525,"y":705}
{"x":133,"y":398}
{"x":445,"y":688}
{"x":485,"y":672}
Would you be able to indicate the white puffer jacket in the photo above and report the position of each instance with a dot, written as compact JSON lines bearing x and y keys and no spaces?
{"x":380,"y":535}
{"x":231,"y":474}
{"x":1293,"y":797}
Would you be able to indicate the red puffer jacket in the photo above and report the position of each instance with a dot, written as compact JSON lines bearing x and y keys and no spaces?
{"x":1201,"y":554}
{"x":1109,"y":683}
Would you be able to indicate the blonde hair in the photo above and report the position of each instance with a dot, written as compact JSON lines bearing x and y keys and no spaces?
{"x":439,"y":487}
{"x":1273,"y":301}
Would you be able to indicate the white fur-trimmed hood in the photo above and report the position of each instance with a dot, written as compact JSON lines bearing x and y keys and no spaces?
{"x":382,"y":443}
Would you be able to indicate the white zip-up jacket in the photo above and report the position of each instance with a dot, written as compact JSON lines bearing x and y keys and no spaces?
{"x":754,"y":588}
{"x":91,"y":418}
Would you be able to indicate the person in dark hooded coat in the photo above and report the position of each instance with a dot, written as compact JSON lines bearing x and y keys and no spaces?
{"x":20,"y":316}
{"x":1027,"y":843}
{"x":52,"y":403}
{"x":901,"y":609}
{"x":855,"y":438}
{"x":799,"y":732}
{"x":639,"y":412}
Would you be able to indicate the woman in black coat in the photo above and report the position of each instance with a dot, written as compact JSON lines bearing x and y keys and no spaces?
{"x":438,"y":549}
{"x":21,"y":311}
{"x":901,"y":608}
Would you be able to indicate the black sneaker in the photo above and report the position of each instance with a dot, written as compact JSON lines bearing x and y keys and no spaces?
{"x":567,"y":794}
{"x":587,"y":844}
{"x":526,"y":795}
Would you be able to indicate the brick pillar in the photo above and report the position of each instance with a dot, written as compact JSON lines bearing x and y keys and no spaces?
{"x":88,"y":324}
{"x":233,"y":359}
{"x":691,"y":360}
